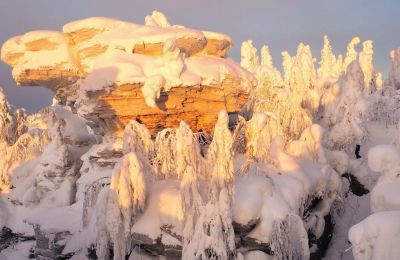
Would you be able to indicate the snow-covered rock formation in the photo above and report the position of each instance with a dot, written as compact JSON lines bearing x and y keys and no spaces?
{"x":112,"y":71}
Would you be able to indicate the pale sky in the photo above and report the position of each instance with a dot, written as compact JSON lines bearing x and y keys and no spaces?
{"x":281,"y":24}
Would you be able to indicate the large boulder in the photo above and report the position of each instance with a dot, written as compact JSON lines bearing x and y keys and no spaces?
{"x":112,"y":71}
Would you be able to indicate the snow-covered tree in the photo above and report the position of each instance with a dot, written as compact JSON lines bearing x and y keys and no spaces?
{"x":126,"y":199}
{"x":328,"y":61}
{"x":207,"y":193}
{"x":394,"y":74}
{"x":287,"y":63}
{"x":218,"y":221}
{"x":293,"y":118}
{"x":304,"y":59}
{"x":351,"y":54}
{"x":379,"y":82}
{"x":266,"y":58}
{"x":249,"y":58}
{"x":21,"y":118}
{"x":303,"y":79}
{"x":330,"y":65}
{"x":338,"y":68}
{"x":347,"y":112}
{"x":164,"y":162}
{"x":190,"y":169}
{"x":365,"y":59}
{"x":20,"y":139}
{"x":137,"y":138}
{"x":267,"y":75}
{"x":260,"y":130}
{"x":119,"y":206}
{"x":8,"y":123}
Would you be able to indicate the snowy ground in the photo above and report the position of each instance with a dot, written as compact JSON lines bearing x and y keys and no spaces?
{"x":357,"y":208}
{"x":17,"y":251}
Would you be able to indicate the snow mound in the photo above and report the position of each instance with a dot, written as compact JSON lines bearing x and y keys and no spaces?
{"x":376,"y":237}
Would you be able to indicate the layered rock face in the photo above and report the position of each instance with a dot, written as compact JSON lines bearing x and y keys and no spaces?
{"x":112,"y":72}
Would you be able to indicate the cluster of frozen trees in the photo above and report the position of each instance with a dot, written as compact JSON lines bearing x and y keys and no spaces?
{"x":334,"y":95}
{"x":22,"y":138}
{"x":206,"y":185}
{"x":341,"y":95}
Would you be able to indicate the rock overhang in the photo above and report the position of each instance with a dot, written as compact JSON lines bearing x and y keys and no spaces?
{"x":116,"y":71}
